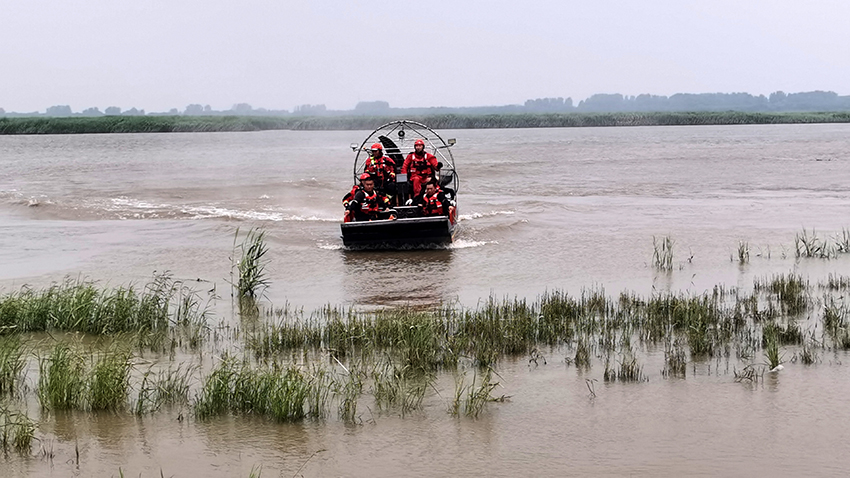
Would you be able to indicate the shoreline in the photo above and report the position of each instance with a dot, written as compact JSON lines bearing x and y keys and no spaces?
{"x":197,"y":124}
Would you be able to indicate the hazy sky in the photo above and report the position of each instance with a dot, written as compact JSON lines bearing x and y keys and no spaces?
{"x":277,"y":54}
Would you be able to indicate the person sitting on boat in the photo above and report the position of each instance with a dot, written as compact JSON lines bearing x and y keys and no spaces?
{"x":350,"y":195}
{"x":434,"y":202}
{"x":368,"y":204}
{"x":421,"y":165}
{"x":382,"y":169}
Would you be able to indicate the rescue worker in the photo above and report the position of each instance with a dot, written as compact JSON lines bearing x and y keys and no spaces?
{"x":382,"y":169}
{"x":421,"y":165}
{"x":348,"y":197}
{"x":434,"y":202}
{"x":368,"y":204}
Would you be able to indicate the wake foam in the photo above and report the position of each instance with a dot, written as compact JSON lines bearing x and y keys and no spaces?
{"x":479,"y":215}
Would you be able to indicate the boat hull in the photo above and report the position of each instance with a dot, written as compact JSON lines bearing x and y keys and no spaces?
{"x":404,"y":233}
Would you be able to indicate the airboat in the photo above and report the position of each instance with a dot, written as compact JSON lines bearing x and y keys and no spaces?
{"x":409,"y":229}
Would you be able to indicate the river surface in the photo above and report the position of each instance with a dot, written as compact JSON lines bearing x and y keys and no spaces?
{"x":541,"y":209}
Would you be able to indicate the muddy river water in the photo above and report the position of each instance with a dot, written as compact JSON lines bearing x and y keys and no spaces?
{"x":541,"y":209}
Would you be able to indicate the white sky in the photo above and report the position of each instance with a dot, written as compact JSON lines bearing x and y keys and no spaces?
{"x":276,"y":54}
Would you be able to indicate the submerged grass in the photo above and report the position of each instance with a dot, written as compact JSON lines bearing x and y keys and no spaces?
{"x":662,"y":254}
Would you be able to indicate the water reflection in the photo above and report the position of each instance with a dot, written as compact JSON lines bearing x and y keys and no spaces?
{"x":415,"y":278}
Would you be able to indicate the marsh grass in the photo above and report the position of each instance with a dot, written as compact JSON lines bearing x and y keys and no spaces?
{"x":12,"y":363}
{"x":399,"y":387}
{"x":81,"y":306}
{"x":791,"y":290}
{"x":471,"y":398}
{"x":72,"y":378}
{"x":165,"y":387}
{"x":811,"y":246}
{"x":836,"y":282}
{"x":17,"y":431}
{"x":675,"y":360}
{"x":662,"y":254}
{"x":347,"y":388}
{"x":627,"y":369}
{"x":282,"y":393}
{"x":62,"y":379}
{"x":109,"y":380}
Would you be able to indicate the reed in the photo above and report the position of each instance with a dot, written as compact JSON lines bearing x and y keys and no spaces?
{"x":743,"y":252}
{"x":842,"y":241}
{"x":771,"y":348}
{"x":252,"y":279}
{"x":675,"y":360}
{"x":662,"y":254}
{"x":808,"y":354}
{"x":582,"y":355}
{"x":811,"y":246}
{"x":791,"y":290}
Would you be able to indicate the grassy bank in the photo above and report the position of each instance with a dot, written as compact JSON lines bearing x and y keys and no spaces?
{"x":169,"y":124}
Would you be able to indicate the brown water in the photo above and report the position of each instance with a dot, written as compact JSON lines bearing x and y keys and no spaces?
{"x":541,"y":209}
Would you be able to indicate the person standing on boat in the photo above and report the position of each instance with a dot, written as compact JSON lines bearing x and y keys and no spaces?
{"x":434,"y":202}
{"x":382,"y":169}
{"x":368,"y":204}
{"x":421,"y":165}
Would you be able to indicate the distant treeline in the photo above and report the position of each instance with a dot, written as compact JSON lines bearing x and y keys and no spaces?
{"x":168,"y":124}
{"x":776,"y":102}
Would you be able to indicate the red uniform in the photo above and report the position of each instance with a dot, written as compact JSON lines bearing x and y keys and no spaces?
{"x":435,"y":205}
{"x":422,"y":168}
{"x":382,"y":170}
{"x":366,"y":206}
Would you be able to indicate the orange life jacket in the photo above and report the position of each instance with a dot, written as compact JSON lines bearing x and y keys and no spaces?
{"x":433,"y":206}
{"x":370,"y":203}
{"x":381,"y":168}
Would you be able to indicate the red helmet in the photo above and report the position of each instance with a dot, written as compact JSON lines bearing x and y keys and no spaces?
{"x":377,"y":146}
{"x":365,"y":176}
{"x":418,"y":142}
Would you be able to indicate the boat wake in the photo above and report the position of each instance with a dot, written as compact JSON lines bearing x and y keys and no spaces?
{"x":479,"y":215}
{"x":125,"y":208}
{"x":467,"y":243}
